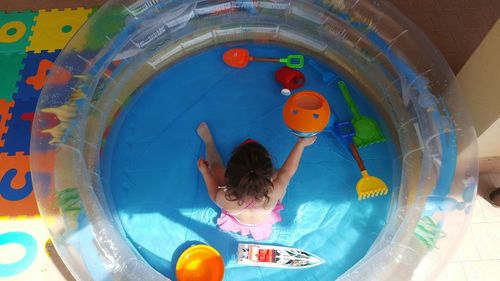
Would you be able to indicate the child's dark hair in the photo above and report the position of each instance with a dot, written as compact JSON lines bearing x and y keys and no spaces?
{"x":248,"y":173}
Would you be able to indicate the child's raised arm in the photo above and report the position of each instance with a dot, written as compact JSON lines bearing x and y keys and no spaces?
{"x":292,"y":162}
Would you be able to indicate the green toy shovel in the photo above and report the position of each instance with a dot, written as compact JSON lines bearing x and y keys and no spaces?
{"x":367,"y":129}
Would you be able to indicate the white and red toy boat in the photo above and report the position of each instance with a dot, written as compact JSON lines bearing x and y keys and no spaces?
{"x":276,"y":256}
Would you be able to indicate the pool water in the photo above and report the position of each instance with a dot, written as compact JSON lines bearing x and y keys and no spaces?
{"x":161,"y":203}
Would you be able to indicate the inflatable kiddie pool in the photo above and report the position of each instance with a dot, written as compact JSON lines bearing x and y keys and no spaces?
{"x":369,"y":43}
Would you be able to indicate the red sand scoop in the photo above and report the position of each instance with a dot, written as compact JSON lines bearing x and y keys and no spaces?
{"x":239,"y":58}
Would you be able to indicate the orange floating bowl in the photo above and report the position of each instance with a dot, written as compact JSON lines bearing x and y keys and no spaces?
{"x":200,"y":263}
{"x":306,"y":113}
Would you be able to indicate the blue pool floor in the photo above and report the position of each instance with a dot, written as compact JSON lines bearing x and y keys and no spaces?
{"x":161,"y":203}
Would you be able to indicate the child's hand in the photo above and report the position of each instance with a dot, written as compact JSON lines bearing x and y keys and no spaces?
{"x":202,"y":165}
{"x":307,"y":141}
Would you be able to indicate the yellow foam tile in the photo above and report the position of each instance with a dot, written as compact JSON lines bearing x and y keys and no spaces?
{"x":54,"y":28}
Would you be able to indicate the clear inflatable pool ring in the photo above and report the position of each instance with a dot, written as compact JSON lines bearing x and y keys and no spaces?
{"x":126,"y":43}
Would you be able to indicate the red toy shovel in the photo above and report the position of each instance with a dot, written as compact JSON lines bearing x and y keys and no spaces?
{"x":239,"y":58}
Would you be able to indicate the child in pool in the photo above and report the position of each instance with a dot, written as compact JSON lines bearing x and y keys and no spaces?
{"x":248,"y":191}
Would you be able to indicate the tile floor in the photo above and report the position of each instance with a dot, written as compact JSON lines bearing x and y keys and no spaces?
{"x":478,"y":257}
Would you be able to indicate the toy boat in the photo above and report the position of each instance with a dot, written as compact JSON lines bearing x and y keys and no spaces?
{"x":276,"y":256}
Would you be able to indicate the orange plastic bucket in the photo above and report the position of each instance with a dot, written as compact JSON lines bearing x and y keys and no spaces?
{"x":200,"y":263}
{"x":306,"y":113}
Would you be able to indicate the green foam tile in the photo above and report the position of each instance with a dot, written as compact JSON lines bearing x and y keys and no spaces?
{"x":10,"y":74}
{"x":8,"y":28}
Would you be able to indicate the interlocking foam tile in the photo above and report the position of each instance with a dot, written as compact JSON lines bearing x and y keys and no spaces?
{"x":26,"y":251}
{"x":41,"y":171}
{"x":15,"y":30}
{"x":54,"y":28}
{"x":17,"y":138}
{"x":15,"y":176}
{"x":10,"y":65}
{"x":34,"y":256}
{"x":26,"y":206}
{"x":95,"y":38}
{"x":4,"y":116}
{"x":29,"y":259}
{"x":45,"y":120}
{"x":33,"y":76}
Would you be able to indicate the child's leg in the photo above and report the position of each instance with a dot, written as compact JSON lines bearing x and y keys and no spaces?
{"x":213,"y":157}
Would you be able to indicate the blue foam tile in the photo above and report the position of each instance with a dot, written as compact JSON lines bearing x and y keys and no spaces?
{"x":27,"y":91}
{"x":17,"y":138}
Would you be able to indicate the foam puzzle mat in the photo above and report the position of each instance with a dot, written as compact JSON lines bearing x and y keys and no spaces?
{"x":30,"y":42}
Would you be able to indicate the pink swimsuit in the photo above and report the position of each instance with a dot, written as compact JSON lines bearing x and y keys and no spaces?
{"x":260,"y":231}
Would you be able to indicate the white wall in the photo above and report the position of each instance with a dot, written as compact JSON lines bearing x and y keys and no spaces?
{"x":480,"y":82}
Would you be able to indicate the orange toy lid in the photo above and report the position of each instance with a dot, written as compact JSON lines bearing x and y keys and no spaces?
{"x":200,"y":263}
